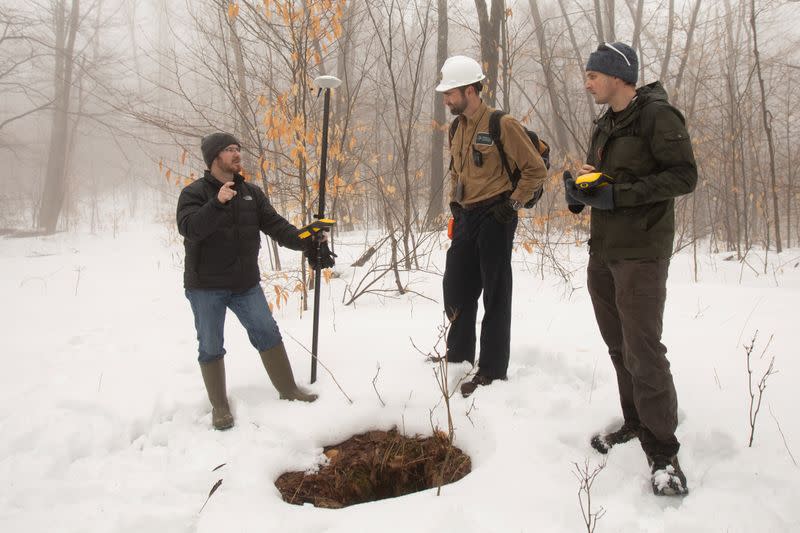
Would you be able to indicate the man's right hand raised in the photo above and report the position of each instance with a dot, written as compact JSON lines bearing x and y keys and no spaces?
{"x":226,"y":192}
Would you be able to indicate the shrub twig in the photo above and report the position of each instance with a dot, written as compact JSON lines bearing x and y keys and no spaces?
{"x":756,"y":395}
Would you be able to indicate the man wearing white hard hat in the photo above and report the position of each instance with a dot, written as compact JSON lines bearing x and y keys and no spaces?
{"x":484,"y":204}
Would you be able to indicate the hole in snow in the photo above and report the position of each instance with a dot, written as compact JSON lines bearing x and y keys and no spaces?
{"x":374,"y":466}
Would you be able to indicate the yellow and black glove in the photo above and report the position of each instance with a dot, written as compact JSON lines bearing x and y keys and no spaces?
{"x":574,"y":206}
{"x":594,"y":189}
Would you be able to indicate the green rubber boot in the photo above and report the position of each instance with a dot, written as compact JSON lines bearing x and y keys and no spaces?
{"x":280,"y":373}
{"x":214,"y":379}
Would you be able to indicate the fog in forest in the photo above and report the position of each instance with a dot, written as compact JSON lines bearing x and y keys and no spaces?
{"x":105,"y":101}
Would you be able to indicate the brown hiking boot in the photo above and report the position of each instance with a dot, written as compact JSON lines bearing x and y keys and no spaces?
{"x":214,"y":379}
{"x":667,"y":477}
{"x":276,"y":362}
{"x":602,"y":442}
{"x":470,"y":386}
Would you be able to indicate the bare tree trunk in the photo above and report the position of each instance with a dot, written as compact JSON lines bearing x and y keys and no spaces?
{"x":134,"y":46}
{"x":685,"y":55}
{"x":789,"y":165}
{"x":767,"y":121}
{"x":243,"y":123}
{"x":436,"y":196}
{"x":668,"y":48}
{"x":610,"y":11}
{"x":637,"y":37}
{"x":577,"y":51}
{"x":489,"y":25}
{"x":549,"y":77}
{"x":505,"y":67}
{"x":598,"y":16}
{"x":66,"y":27}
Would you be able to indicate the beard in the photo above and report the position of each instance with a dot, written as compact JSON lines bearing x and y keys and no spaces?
{"x":458,"y":109}
{"x":234,"y":167}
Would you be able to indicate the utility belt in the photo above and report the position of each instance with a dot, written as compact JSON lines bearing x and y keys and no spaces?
{"x":496,"y":199}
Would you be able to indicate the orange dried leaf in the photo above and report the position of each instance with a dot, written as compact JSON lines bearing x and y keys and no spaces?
{"x":331,"y":454}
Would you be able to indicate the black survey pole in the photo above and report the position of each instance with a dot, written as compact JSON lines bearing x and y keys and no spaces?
{"x":325,"y":83}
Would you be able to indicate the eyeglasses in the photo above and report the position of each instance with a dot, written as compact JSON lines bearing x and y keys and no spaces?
{"x":232,"y":149}
{"x":611,"y":46}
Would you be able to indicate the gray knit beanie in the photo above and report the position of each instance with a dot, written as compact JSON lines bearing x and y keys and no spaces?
{"x":615,"y":59}
{"x":213,"y":144}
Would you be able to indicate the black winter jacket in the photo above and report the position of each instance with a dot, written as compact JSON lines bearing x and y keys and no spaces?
{"x":647,"y":149}
{"x":222,"y":240}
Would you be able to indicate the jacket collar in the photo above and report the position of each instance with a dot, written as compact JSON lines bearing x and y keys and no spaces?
{"x":645,"y":95}
{"x":477,"y":116}
{"x":209,"y":177}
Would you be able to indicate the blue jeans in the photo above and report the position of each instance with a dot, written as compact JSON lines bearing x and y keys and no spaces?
{"x":250,"y":307}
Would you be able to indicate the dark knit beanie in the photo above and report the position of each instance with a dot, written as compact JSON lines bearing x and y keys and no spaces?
{"x":615,"y":59}
{"x":213,"y":144}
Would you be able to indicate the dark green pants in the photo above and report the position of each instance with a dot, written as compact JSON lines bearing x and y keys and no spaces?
{"x":628,"y":298}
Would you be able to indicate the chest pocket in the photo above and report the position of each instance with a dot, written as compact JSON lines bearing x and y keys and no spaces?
{"x":489,"y":158}
{"x":627,"y":157}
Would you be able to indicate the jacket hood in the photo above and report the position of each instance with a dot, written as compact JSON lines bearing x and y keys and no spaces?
{"x":652,"y":92}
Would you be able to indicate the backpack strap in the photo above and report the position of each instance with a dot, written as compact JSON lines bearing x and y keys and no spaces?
{"x":494,"y":132}
{"x":451,"y":134}
{"x":453,"y":128}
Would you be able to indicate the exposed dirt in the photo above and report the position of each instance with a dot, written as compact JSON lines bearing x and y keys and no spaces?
{"x":376,"y":465}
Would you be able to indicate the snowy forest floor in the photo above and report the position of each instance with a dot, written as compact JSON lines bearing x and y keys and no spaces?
{"x":106,"y":425}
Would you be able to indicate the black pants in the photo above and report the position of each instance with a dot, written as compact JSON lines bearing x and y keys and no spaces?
{"x":479,"y":260}
{"x":628,"y":298}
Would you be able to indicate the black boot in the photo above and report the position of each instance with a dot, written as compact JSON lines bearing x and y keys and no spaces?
{"x":602,"y":442}
{"x":666,"y":476}
{"x":477,"y":380}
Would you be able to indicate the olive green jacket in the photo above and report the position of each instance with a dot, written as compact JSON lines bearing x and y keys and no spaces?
{"x":647,"y":150}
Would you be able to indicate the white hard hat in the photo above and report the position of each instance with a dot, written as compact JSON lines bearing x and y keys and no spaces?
{"x":459,"y":71}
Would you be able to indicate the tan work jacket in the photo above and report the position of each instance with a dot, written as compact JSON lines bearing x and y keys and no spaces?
{"x":490,"y":178}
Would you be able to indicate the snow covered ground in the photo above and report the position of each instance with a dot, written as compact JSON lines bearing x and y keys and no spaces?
{"x":106,"y":427}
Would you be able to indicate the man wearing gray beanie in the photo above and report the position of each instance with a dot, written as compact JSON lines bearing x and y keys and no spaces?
{"x":640,"y":159}
{"x":221,"y":217}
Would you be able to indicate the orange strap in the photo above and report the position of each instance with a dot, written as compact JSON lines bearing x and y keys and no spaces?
{"x":450,"y":224}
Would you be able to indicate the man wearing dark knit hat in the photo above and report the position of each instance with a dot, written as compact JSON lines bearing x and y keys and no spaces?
{"x":221,"y":217}
{"x":640,"y":159}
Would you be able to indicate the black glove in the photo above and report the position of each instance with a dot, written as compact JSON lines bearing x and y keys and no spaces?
{"x":319,"y":251}
{"x":503,"y":212}
{"x":598,"y":198}
{"x":574,"y":206}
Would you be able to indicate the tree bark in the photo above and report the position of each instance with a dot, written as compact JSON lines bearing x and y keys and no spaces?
{"x":598,"y":17}
{"x":685,"y":55}
{"x":766,"y":117}
{"x":436,"y":196}
{"x":489,"y":26}
{"x":53,"y":194}
{"x":670,"y":32}
{"x":549,"y":78}
{"x":577,"y":51}
{"x":610,"y":18}
{"x":637,"y":37}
